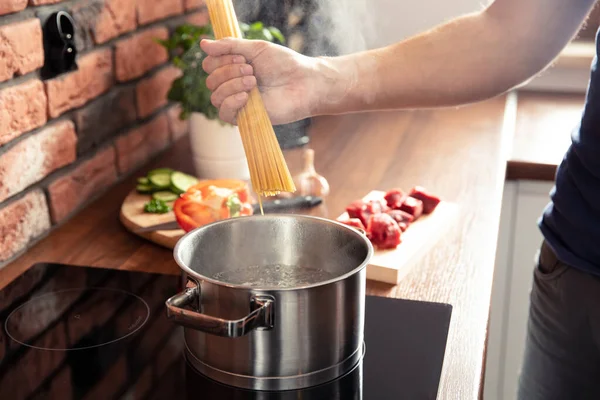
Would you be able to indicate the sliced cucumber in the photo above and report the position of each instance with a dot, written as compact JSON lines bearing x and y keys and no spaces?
{"x":165,"y":196}
{"x":160,"y":181}
{"x":160,"y":171}
{"x":141,"y":188}
{"x":181,"y":182}
{"x":143,"y":181}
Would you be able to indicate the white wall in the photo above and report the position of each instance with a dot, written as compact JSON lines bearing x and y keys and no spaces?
{"x":398,"y":19}
{"x":364,"y":24}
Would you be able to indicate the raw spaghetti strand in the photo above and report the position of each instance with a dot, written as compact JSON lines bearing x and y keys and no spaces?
{"x":269,"y":172}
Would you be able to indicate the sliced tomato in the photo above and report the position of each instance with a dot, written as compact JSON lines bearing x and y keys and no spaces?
{"x":246,"y":209}
{"x":192,"y":212}
{"x":238,"y":186}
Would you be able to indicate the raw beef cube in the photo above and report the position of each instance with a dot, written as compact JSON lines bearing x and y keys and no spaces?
{"x":430,"y":201}
{"x":354,"y":222}
{"x":394,"y":198}
{"x":401,"y":217}
{"x":384,"y":231}
{"x":376,"y":206}
{"x":363,"y":210}
{"x":355,"y":208}
{"x":412,"y":206}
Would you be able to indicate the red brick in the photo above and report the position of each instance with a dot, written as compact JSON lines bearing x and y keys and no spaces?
{"x":22,"y":221}
{"x":199,"y":18}
{"x":117,"y":17}
{"x":177,"y":126}
{"x":41,"y":2}
{"x":138,"y":54}
{"x":140,"y":144}
{"x":11,"y":6}
{"x":21,"y":48}
{"x":151,"y":93}
{"x":153,"y":10}
{"x":104,"y":118}
{"x":190,"y":4}
{"x":76,"y":188}
{"x":36,"y":157}
{"x":93,"y":77}
{"x":22,"y":108}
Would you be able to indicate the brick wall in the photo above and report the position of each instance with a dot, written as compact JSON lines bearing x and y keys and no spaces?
{"x":66,"y":139}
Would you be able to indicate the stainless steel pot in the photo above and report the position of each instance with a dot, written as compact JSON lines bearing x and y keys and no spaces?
{"x":242,"y":330}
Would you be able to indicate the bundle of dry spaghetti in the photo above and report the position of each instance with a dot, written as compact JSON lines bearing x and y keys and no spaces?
{"x":269,"y":172}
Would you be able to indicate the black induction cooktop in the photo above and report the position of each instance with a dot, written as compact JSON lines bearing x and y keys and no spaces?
{"x":88,"y":333}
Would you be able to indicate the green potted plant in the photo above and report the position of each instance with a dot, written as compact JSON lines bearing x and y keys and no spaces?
{"x":216,"y":146}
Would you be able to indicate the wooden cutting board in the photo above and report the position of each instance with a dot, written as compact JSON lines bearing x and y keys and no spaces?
{"x":133,"y":217}
{"x":421,"y":236}
{"x":386,"y":265}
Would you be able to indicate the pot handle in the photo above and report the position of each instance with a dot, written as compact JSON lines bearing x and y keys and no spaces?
{"x":261,"y":315}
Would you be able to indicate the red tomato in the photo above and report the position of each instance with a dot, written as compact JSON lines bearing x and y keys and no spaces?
{"x":191,"y":212}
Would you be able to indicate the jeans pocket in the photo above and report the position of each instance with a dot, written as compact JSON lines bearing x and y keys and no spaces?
{"x":549,"y":267}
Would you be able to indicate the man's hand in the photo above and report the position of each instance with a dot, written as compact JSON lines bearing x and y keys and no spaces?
{"x":287,"y":80}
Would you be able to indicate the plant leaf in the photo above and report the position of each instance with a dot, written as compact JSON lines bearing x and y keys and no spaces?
{"x":267,"y":35}
{"x":277,"y":34}
{"x":177,"y":91}
{"x":257,"y":26}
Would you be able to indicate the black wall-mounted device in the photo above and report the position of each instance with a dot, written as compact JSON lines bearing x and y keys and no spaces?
{"x":59,"y":45}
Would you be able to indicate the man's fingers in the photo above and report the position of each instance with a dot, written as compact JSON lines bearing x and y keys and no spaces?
{"x":226,"y":73}
{"x":232,"y":88}
{"x":211,"y":63}
{"x":231,"y":106}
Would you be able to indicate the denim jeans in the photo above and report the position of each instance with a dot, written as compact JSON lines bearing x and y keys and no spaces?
{"x":562,"y":350}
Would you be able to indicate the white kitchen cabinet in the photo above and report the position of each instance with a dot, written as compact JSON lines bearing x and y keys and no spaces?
{"x":518,"y":242}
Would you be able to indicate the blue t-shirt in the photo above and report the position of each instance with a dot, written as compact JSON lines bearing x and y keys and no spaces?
{"x":571,"y":222}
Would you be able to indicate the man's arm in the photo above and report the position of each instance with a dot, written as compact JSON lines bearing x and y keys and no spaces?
{"x":471,"y":58}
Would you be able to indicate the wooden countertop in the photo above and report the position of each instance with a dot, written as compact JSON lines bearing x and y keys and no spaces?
{"x":459,"y":154}
{"x":543,"y":133}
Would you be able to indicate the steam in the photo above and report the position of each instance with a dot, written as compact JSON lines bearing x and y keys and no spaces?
{"x":349,"y":24}
{"x":332,"y":27}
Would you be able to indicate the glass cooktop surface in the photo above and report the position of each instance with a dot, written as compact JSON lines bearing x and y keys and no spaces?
{"x":73,"y":332}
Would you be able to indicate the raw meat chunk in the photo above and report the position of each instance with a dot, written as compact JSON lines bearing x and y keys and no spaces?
{"x":377,"y":206}
{"x":412,"y":206}
{"x":394,"y":198}
{"x":430,"y":202}
{"x":363,"y":210}
{"x":384,"y":231}
{"x":354,"y":208}
{"x":401,"y":217}
{"x":354,"y":222}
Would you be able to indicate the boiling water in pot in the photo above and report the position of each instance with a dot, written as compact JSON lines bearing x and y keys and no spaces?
{"x":276,"y":276}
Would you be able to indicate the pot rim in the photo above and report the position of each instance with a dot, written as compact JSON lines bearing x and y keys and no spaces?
{"x":201,"y":277}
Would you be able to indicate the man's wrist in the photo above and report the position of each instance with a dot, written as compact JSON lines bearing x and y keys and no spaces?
{"x":333,"y":83}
